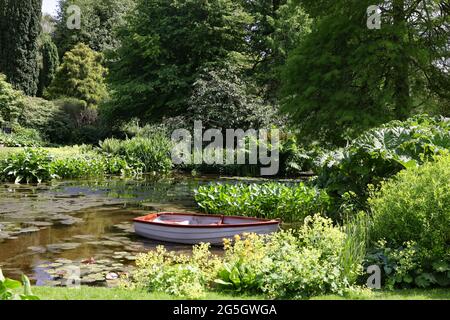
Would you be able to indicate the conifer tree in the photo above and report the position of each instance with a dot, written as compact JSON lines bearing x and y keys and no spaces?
{"x":19,"y":31}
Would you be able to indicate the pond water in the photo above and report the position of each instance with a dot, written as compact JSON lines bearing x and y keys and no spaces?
{"x":48,"y":230}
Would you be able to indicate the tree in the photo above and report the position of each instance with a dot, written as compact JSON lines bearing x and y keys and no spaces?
{"x":345,"y":78}
{"x":49,"y":61}
{"x":222,"y":99}
{"x":277,"y":28}
{"x":99,"y":20}
{"x":19,"y":31}
{"x":81,"y":76}
{"x":165,"y":45}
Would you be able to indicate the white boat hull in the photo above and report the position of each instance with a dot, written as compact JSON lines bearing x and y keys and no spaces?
{"x":191,"y":234}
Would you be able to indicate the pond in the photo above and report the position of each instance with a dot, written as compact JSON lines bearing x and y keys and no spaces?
{"x":46,"y":230}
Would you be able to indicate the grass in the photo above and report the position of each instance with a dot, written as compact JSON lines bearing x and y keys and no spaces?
{"x":58,"y":153}
{"x":407,"y":294}
{"x":92,"y":293}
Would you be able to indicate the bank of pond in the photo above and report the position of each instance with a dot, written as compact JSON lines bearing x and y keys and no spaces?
{"x":380,"y":204}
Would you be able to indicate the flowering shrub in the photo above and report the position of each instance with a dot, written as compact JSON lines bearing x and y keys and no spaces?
{"x":176,"y":274}
{"x":288,"y":264}
{"x":414,"y":207}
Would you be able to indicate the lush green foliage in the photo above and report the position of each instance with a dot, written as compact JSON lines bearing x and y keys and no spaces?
{"x":19,"y":32}
{"x":153,"y":153}
{"x":295,"y":159}
{"x":11,"y":105}
{"x":269,"y":200}
{"x":21,"y":137}
{"x":382,"y":152}
{"x":414,"y":208}
{"x":165,"y":44}
{"x":8,"y":288}
{"x":40,"y":165}
{"x":345,"y":78}
{"x":277,"y":28}
{"x":78,"y":167}
{"x":99,"y":21}
{"x":176,"y":274}
{"x":222,"y":99}
{"x":49,"y":62}
{"x":288,"y":264}
{"x":81,"y":76}
{"x":405,"y":266}
{"x":28,"y":166}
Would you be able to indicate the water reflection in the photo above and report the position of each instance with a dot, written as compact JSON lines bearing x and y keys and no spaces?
{"x":86,"y":223}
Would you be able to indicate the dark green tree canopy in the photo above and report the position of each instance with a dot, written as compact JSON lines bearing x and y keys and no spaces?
{"x":164,"y":46}
{"x":19,"y":30}
{"x":99,"y":20}
{"x":345,"y":78}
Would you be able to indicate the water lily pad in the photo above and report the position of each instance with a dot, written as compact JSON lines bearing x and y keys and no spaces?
{"x":84,"y":237}
{"x":63,"y":246}
{"x":40,"y":223}
{"x":64,"y":261}
{"x":37,"y":249}
{"x":29,"y":230}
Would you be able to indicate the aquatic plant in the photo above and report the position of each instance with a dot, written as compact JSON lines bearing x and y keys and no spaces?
{"x":272,"y":200}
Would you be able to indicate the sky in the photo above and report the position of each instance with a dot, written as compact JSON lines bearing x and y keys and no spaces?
{"x":49,"y":6}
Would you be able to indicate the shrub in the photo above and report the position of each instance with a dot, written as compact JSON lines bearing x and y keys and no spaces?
{"x":176,"y":274}
{"x":308,"y":264}
{"x":381,"y":153}
{"x":81,"y":76}
{"x":51,"y":120}
{"x":30,"y":165}
{"x":268,"y":200}
{"x":154,"y":153}
{"x":11,"y":102}
{"x":92,"y":165}
{"x":221,"y":98}
{"x":21,"y":137}
{"x":295,"y":159}
{"x":288,"y":264}
{"x":415,"y":207}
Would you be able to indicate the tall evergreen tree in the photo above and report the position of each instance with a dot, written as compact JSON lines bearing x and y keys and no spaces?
{"x":48,"y":64}
{"x":19,"y":30}
{"x":80,"y":76}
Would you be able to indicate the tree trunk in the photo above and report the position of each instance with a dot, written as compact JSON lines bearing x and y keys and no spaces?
{"x":401,"y":63}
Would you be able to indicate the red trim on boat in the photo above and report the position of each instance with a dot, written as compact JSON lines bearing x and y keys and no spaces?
{"x":149,"y":219}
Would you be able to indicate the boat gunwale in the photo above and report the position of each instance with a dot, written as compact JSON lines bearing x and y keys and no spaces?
{"x":257,"y":221}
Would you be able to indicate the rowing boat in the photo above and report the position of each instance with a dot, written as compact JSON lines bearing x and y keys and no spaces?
{"x":187,"y":228}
